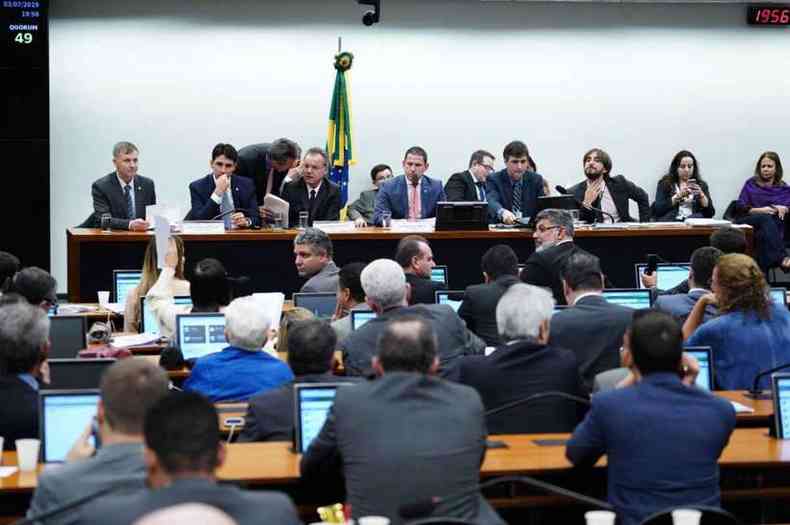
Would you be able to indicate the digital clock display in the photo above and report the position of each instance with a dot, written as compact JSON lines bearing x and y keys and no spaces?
{"x":24,"y":33}
{"x":768,"y":15}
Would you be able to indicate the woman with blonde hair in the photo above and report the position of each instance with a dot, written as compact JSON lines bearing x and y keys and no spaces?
{"x":751,"y":332}
{"x":179,"y":286}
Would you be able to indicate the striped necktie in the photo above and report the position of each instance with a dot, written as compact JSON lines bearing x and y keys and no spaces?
{"x":517,"y":198}
{"x":127,"y":193}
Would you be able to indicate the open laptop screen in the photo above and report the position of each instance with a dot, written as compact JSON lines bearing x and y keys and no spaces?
{"x":68,"y":374}
{"x":63,"y":416}
{"x":313,"y":401}
{"x":321,"y":304}
{"x":631,"y":297}
{"x":200,"y":334}
{"x":360,"y":317}
{"x":781,"y":394}
{"x":66,"y":335}
{"x":439,"y":274}
{"x":703,"y":355}
{"x":123,"y":282}
{"x":454,"y":298}
{"x":148,"y":322}
{"x":668,"y":275}
{"x":779,"y":296}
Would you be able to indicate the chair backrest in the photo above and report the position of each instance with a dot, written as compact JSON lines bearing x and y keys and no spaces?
{"x":710,"y":516}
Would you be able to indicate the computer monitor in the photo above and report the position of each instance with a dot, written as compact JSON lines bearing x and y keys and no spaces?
{"x":668,"y":275}
{"x":122,"y":282}
{"x":704,"y":356}
{"x":779,"y":296}
{"x":632,"y":297}
{"x":200,"y":334}
{"x":148,"y":322}
{"x":439,"y":274}
{"x":321,"y":304}
{"x":66,"y":335}
{"x":69,"y":374}
{"x":781,"y":396}
{"x":454,"y":298}
{"x":360,"y":317}
{"x":313,"y":401}
{"x":63,"y":416}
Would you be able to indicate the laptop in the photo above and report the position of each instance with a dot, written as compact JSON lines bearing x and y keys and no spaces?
{"x":200,"y":334}
{"x":360,"y":317}
{"x":439,"y":274}
{"x":122,"y":282}
{"x":452,"y":297}
{"x":635,"y":298}
{"x":322,"y":304}
{"x":313,"y":401}
{"x":704,"y":356}
{"x":63,"y":416}
{"x":148,"y":322}
{"x":67,"y":335}
{"x":781,"y":396}
{"x":779,"y":296}
{"x":668,"y":275}
{"x":69,"y":374}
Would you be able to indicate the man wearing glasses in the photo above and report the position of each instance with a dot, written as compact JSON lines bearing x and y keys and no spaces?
{"x":470,"y":185}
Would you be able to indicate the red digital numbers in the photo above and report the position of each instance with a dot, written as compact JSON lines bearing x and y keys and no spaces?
{"x":772,"y":16}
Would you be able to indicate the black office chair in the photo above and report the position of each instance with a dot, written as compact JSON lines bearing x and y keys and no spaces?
{"x":441,"y":521}
{"x":710,"y":516}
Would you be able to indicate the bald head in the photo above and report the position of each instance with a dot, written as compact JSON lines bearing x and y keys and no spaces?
{"x":407,"y":344}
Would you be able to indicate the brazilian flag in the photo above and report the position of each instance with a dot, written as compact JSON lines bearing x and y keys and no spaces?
{"x":338,"y":142}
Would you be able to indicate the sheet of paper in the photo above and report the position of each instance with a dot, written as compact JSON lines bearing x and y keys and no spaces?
{"x":334,"y":226}
{"x":162,"y":229}
{"x":272,"y":304}
{"x":124,"y":341}
{"x":173,"y":214}
{"x":203,"y":227}
{"x":422,"y":225}
{"x":7,"y":471}
{"x":275,"y":204}
{"x":118,"y":308}
{"x":707,"y":222}
{"x":741,"y":409}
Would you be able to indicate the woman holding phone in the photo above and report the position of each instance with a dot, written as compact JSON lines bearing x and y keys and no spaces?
{"x":682,"y":193}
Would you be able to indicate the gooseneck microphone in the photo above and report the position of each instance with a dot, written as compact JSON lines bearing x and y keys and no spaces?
{"x":226,"y":212}
{"x":562,"y":191}
{"x":758,"y":393}
{"x":536,"y":397}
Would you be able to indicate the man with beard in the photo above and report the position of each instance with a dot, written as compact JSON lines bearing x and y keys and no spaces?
{"x":607,"y":193}
{"x":553,"y":245}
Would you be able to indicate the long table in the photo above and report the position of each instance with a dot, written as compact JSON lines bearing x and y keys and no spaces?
{"x":266,"y":256}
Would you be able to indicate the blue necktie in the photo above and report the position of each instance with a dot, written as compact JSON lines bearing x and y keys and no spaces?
{"x":517,"y":198}
{"x":481,"y":190}
{"x":127,"y":193}
{"x":226,"y":206}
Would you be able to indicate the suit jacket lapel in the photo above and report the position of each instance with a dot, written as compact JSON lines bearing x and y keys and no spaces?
{"x":425,"y":195}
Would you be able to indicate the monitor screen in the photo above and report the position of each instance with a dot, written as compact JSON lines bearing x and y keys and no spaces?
{"x":632,"y":298}
{"x":123,"y":282}
{"x":64,"y":416}
{"x":322,"y":305}
{"x":66,"y":335}
{"x":200,"y":334}
{"x":703,"y":356}
{"x":360,"y":317}
{"x":779,"y":296}
{"x":781,"y":383}
{"x":69,"y":374}
{"x":454,"y":298}
{"x":439,"y":274}
{"x":313,"y":402}
{"x":148,"y":322}
{"x":668,"y":275}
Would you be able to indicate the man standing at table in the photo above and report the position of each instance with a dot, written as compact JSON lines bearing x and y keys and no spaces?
{"x":313,"y":192}
{"x":513,"y":192}
{"x":412,"y":195}
{"x":123,"y":193}
{"x":470,"y":185}
{"x":268,"y":165}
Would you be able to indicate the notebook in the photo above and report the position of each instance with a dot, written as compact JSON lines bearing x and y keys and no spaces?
{"x":69,"y":374}
{"x":779,"y":296}
{"x":360,"y":317}
{"x":781,"y":397}
{"x":704,"y":356}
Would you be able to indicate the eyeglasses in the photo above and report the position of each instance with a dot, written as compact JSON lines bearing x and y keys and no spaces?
{"x":487,"y":167}
{"x":543,"y":229}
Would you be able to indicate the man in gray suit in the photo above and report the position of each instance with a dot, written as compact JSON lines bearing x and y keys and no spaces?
{"x":679,"y":306}
{"x":361,"y":210}
{"x":313,"y":258}
{"x":386,"y":292}
{"x":183,"y":449}
{"x":407,"y":435}
{"x":128,"y":389}
{"x":123,"y":193}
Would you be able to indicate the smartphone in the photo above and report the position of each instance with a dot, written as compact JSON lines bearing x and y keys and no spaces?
{"x":652,"y":263}
{"x":95,"y":435}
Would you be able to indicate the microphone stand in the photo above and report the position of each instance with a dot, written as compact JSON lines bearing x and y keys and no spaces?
{"x":535,"y":397}
{"x":563,"y":191}
{"x":758,"y":393}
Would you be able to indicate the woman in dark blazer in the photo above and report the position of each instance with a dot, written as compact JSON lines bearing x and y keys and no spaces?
{"x":682,"y":193}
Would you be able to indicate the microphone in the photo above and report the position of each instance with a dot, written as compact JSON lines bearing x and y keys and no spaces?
{"x":562,"y":191}
{"x":536,"y":397}
{"x":228,"y":212}
{"x":758,"y":393}
{"x":427,"y":506}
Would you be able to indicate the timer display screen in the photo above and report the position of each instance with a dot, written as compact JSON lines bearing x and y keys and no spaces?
{"x":768,"y":15}
{"x":24,"y":33}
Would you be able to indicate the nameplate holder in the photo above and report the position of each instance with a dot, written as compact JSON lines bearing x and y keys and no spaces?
{"x":203,"y":227}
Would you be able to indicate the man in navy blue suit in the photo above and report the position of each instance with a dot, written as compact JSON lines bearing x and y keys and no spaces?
{"x":412,"y":195}
{"x":220,"y":192}
{"x":672,"y":460}
{"x":513,"y":192}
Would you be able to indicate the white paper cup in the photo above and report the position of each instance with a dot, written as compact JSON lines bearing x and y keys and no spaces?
{"x":104,"y":298}
{"x":600,"y":517}
{"x":27,"y":453}
{"x":686,"y":517}
{"x":2,"y":442}
{"x":373,"y":520}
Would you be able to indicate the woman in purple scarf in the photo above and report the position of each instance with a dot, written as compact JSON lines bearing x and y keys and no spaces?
{"x":763,"y":203}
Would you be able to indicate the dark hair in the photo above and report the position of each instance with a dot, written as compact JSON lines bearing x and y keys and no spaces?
{"x":515,"y":149}
{"x":478,"y":156}
{"x":408,"y":248}
{"x":348,"y":278}
{"x":416,"y":150}
{"x":672,"y":177}
{"x":182,"y":431}
{"x":582,"y":271}
{"x":779,"y":171}
{"x":283,"y":150}
{"x":24,"y":332}
{"x":729,"y":240}
{"x":225,"y":149}
{"x":317,"y":240}
{"x":656,"y":342}
{"x":311,"y":346}
{"x":532,"y":163}
{"x":606,"y":160}
{"x":407,"y":344}
{"x":376,"y":169}
{"x":128,"y":389}
{"x":703,"y":261}
{"x":9,"y":265}
{"x":35,"y":285}
{"x":209,"y":286}
{"x":499,"y":260}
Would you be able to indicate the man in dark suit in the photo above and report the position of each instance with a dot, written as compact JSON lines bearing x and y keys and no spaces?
{"x":513,"y":192}
{"x":553,"y":245}
{"x":610,"y":194}
{"x":311,"y":351}
{"x":662,"y":436}
{"x":24,"y":344}
{"x":386,"y":293}
{"x":267,"y":165}
{"x":361,"y":210}
{"x":183,"y":450}
{"x":123,"y":193}
{"x":412,"y":195}
{"x":415,"y":256}
{"x":470,"y":185}
{"x":220,"y":192}
{"x":703,"y":260}
{"x":405,"y":436}
{"x":591,"y":327}
{"x":524,"y":365}
{"x":36,"y":286}
{"x":313,"y":193}
{"x":478,"y":308}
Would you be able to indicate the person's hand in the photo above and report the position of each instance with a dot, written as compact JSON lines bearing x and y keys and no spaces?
{"x":592,"y":192}
{"x":295,"y":173}
{"x":266,"y":215}
{"x":82,"y":449}
{"x":649,"y":281}
{"x":709,"y":298}
{"x":765,"y":209}
{"x":781,"y":211}
{"x":508,"y":217}
{"x":222,"y":184}
{"x":138,"y":225}
{"x":629,"y":380}
{"x":171,"y":257}
{"x":360,"y":223}
{"x":689,"y":369}
{"x":239,"y":220}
